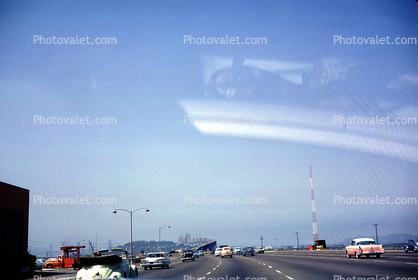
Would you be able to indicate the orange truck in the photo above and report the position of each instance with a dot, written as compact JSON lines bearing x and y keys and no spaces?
{"x":69,"y":258}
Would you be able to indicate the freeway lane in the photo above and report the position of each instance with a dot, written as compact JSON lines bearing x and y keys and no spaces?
{"x":336,"y":266}
{"x":180,"y":270}
{"x":283,"y":265}
{"x":288,"y":265}
{"x":213,"y":268}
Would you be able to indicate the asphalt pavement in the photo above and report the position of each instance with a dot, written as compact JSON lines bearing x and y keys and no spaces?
{"x":286,"y":265}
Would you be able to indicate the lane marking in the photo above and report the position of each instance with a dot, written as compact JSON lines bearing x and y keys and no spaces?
{"x":289,"y":277}
{"x":270,"y":267}
{"x":278,"y":271}
{"x":412,"y":263}
{"x":208,"y":273}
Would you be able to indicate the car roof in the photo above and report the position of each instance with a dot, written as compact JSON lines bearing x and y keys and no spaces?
{"x":363,"y":239}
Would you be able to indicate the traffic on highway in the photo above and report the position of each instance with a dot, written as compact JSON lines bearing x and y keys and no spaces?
{"x":286,"y":265}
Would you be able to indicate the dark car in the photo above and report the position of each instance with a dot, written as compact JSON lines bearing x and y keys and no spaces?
{"x":187,"y":256}
{"x":411,"y":245}
{"x":248,"y":251}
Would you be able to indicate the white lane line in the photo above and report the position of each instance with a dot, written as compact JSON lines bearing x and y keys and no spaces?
{"x":264,"y":264}
{"x":208,"y":273}
{"x":278,"y":271}
{"x":412,"y":263}
{"x":289,"y":277}
{"x":214,"y":268}
{"x":270,"y":267}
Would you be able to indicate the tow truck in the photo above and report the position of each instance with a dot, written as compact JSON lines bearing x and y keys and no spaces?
{"x":69,"y":259}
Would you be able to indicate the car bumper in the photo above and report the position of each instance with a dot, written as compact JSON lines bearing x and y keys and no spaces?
{"x":153,"y":264}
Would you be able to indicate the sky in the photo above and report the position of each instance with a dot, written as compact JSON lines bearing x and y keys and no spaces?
{"x":186,"y":126}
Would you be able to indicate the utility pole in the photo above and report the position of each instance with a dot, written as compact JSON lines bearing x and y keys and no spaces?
{"x":375,"y":227}
{"x":297,"y":238}
{"x":261,"y":239}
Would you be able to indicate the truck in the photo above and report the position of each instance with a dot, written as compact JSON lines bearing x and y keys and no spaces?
{"x":69,"y":259}
{"x":364,"y":246}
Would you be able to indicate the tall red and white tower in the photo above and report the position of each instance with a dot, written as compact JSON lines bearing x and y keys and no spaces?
{"x":315,"y":226}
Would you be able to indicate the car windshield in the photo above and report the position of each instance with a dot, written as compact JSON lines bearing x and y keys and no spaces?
{"x":366,"y":243}
{"x":214,"y":112}
{"x":155,"y":255}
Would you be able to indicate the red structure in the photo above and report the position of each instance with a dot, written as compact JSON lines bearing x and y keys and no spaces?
{"x":69,"y":259}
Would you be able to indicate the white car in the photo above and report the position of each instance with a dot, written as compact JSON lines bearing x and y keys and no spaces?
{"x":218,"y":252}
{"x":156,"y":259}
{"x":237,"y":251}
{"x":105,"y":265}
{"x":364,"y":246}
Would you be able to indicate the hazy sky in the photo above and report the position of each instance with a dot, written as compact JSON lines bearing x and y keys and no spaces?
{"x":295,"y":87}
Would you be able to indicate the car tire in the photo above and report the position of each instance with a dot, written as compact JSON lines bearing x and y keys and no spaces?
{"x":348,"y":256}
{"x":357,"y":255}
{"x":230,"y":256}
{"x":145,"y":268}
{"x":378,"y":256}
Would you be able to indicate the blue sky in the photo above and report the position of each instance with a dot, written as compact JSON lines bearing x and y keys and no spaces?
{"x":150,"y":80}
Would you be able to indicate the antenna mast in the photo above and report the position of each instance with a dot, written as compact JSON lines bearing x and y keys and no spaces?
{"x":315,"y":226}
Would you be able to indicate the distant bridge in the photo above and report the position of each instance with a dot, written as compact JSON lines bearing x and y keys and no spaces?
{"x":209,"y":245}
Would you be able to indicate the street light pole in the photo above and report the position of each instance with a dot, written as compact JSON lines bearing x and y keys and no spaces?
{"x":297,"y":238}
{"x":159,"y":236}
{"x":131,"y":212}
{"x":375,"y":227}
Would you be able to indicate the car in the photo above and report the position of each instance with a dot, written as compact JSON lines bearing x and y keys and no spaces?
{"x":195,"y":254}
{"x":187,"y":256}
{"x":226,"y":252}
{"x":237,"y":251}
{"x":259,"y":250}
{"x":248,"y":251}
{"x":156,"y":259}
{"x":105,"y":265}
{"x":364,"y":246}
{"x":411,"y":245}
{"x":40,"y":262}
{"x":218,"y":252}
{"x":200,"y":253}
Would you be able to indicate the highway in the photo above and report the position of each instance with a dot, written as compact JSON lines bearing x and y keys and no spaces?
{"x":292,"y":265}
{"x":286,"y":265}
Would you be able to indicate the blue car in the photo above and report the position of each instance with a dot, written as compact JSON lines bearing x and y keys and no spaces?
{"x":412,"y":246}
{"x":248,"y":251}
